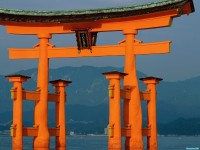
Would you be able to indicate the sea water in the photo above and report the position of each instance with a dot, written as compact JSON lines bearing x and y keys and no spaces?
{"x":100,"y":143}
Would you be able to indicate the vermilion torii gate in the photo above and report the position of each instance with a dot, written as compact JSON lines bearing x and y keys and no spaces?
{"x":86,"y":24}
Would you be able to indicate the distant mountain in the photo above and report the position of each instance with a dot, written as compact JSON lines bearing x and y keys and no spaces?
{"x":89,"y":88}
{"x":178,"y":99}
{"x":180,"y":126}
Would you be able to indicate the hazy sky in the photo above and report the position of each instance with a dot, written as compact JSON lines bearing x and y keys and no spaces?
{"x":182,"y":63}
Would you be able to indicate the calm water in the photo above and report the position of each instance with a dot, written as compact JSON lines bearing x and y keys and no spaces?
{"x":100,"y":143}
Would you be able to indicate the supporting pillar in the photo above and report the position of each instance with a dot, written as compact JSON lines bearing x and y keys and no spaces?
{"x":41,"y":141}
{"x":114,"y":127}
{"x":60,"y":113}
{"x":151,"y":112}
{"x":132,"y":107}
{"x":16,"y":95}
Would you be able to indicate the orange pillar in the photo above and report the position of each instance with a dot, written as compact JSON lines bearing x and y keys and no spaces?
{"x":41,"y":141}
{"x":132,"y":107}
{"x":151,"y":112}
{"x":16,"y":95}
{"x":114,"y":127}
{"x":60,"y":113}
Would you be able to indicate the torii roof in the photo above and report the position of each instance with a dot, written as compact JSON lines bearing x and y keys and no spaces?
{"x":9,"y":15}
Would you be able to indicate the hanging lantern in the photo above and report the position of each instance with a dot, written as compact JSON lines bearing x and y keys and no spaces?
{"x":85,"y":39}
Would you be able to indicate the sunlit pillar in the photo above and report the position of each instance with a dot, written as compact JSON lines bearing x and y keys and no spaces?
{"x":132,"y":107}
{"x":16,"y":95}
{"x":41,"y":106}
{"x":60,"y":113}
{"x":114,"y":126}
{"x":151,"y":82}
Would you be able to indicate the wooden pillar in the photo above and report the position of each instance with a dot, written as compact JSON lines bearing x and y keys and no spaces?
{"x":151,"y":82}
{"x":60,"y":113}
{"x":16,"y":95}
{"x":132,"y":107}
{"x":114,"y":127}
{"x":41,"y":107}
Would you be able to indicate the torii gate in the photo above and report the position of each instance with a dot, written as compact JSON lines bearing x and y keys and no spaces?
{"x":86,"y":24}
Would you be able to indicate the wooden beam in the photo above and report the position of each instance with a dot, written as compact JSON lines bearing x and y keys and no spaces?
{"x":152,"y":48}
{"x":68,"y":52}
{"x":147,"y":21}
{"x":155,"y":22}
{"x":54,"y":131}
{"x":146,"y":132}
{"x":30,"y":29}
{"x":29,"y":95}
{"x":29,"y":131}
{"x":35,"y":96}
{"x":53,"y":97}
{"x":127,"y":132}
{"x":97,"y":51}
{"x":145,"y":95}
{"x":99,"y":26}
{"x":34,"y":131}
{"x":15,"y":53}
{"x":125,"y":94}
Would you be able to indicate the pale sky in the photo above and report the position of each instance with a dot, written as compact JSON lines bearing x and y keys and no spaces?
{"x":182,"y":63}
